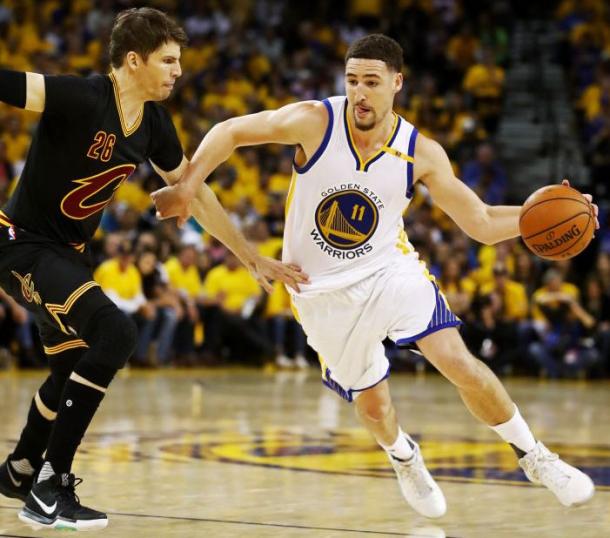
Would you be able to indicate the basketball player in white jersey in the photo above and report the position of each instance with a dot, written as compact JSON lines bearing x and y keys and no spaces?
{"x":355,"y":167}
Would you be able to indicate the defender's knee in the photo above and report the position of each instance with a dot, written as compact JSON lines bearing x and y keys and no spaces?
{"x":112,"y":338}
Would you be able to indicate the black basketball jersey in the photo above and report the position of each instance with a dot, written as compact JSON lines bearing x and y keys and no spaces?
{"x":81,"y":153}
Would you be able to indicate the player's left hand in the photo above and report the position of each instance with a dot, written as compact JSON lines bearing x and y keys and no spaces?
{"x":267,"y":269}
{"x":589,"y":198}
{"x":173,"y":201}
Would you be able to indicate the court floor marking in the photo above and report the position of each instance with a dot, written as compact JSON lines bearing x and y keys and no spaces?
{"x":248,"y":523}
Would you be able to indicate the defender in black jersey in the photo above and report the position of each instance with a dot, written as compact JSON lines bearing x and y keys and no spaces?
{"x":91,"y":136}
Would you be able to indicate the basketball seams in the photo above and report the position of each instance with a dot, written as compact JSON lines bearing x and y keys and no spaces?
{"x":558,"y":224}
{"x":583,"y":202}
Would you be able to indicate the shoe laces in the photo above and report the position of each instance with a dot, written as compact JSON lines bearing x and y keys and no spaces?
{"x":413,"y":471}
{"x":543,"y":465}
{"x":68,"y":484}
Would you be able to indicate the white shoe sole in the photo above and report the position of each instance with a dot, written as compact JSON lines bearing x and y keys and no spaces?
{"x":585,"y":500}
{"x":62,"y":524}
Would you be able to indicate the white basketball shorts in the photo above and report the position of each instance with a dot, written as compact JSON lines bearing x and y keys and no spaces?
{"x":347,"y":326}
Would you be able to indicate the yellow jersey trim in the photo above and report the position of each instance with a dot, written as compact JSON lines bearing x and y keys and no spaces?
{"x":126,"y":130}
{"x":56,"y":309}
{"x":362,"y":164}
{"x":59,"y":348}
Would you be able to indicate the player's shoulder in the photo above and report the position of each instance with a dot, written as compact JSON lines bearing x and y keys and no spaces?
{"x":314,"y":111}
{"x":157,"y":113}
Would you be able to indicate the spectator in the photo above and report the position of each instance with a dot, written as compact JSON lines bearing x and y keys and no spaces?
{"x":168,"y":310}
{"x":232,"y":320}
{"x":561,"y":323}
{"x":502,"y":307}
{"x":184,"y":278}
{"x":486,"y":176}
{"x":121,"y":282}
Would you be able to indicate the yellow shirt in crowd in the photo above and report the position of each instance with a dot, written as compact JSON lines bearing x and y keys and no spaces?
{"x":566,"y":287}
{"x":184,"y":280}
{"x":514,"y":298}
{"x":126,"y":284}
{"x":235,"y":287}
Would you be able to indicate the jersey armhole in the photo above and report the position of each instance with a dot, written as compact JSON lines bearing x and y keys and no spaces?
{"x":322,"y":147}
{"x":411,"y":153}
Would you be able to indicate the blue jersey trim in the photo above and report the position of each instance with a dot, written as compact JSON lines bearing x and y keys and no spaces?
{"x":325,"y":140}
{"x":411,"y":153}
{"x":347,"y":395}
{"x":442,"y":317}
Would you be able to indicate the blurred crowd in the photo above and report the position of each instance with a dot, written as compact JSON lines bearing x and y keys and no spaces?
{"x":192,"y":300}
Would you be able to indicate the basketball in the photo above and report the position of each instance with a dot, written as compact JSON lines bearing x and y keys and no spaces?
{"x":556,"y":222}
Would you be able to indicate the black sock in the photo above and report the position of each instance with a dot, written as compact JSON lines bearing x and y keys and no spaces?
{"x":77,"y":406}
{"x":34,"y":438}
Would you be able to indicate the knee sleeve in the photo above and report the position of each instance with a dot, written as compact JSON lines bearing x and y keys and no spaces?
{"x":111,"y":337}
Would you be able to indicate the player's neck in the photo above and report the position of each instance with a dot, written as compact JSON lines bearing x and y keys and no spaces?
{"x":373,"y":139}
{"x":130,"y":94}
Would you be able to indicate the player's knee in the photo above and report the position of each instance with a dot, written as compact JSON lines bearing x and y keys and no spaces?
{"x":112,"y":338}
{"x":49,"y":394}
{"x":468,"y":373}
{"x":375,"y":410}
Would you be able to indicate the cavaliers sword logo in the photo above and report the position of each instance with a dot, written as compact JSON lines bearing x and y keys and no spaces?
{"x":27,"y":288}
{"x":77,"y":203}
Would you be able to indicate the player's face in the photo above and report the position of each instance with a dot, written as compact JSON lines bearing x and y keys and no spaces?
{"x":160,"y":71}
{"x":370,"y":88}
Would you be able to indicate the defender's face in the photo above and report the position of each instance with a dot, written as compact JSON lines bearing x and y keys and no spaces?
{"x":370,"y":88}
{"x":160,"y":71}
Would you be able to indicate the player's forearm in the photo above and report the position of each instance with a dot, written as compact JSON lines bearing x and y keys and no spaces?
{"x":502,"y":223}
{"x":213,"y":218}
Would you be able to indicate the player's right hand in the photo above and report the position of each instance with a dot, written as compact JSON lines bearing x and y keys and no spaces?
{"x":173,"y":201}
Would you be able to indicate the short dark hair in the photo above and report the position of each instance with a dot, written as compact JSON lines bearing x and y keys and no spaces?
{"x":142,"y":30}
{"x":377,"y":47}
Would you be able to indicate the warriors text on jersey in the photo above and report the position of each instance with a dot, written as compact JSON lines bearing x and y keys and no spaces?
{"x":344,"y":214}
{"x":81,"y":153}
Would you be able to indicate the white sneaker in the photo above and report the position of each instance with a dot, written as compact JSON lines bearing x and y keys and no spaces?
{"x":417,"y":485}
{"x":570,"y":485}
{"x":284,"y":362}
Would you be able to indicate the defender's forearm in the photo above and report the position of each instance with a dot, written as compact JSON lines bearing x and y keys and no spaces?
{"x":214,"y":219}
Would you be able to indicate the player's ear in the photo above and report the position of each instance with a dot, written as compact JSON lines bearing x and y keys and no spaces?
{"x":398,"y":80}
{"x":133,"y":59}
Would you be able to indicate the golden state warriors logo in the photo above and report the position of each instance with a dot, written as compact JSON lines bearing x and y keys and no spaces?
{"x":345,"y":220}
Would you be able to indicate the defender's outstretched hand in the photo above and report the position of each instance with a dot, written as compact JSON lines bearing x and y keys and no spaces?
{"x":173,"y":201}
{"x":267,"y":269}
{"x":589,"y":198}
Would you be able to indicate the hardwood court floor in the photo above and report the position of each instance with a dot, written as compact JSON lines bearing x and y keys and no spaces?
{"x":244,"y":453}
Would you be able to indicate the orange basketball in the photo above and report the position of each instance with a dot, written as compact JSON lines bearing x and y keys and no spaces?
{"x":556,"y":222}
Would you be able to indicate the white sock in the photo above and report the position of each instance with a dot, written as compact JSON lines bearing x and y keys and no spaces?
{"x":46,"y":472}
{"x":401,"y":449}
{"x":516,"y":432}
{"x":22,"y":466}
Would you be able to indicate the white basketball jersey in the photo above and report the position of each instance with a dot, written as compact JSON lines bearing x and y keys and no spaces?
{"x":344,"y":214}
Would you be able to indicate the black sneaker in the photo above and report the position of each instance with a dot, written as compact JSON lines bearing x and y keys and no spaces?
{"x":53,"y":504}
{"x":14,"y":484}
